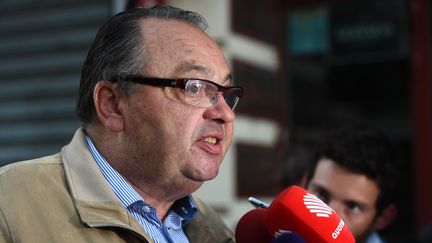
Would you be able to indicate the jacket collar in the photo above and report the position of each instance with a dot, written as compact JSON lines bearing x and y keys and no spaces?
{"x":96,"y":203}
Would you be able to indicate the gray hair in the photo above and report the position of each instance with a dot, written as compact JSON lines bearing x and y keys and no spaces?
{"x":118,"y":50}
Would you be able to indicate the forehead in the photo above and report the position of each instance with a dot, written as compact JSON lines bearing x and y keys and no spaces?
{"x":181,"y":48}
{"x":343,"y":184}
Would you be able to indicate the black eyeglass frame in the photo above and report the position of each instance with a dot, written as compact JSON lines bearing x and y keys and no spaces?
{"x":179,"y":83}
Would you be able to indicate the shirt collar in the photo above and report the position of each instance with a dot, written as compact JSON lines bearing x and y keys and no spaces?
{"x":374,"y":238}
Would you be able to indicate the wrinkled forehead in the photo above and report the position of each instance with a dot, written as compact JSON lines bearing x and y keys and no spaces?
{"x":182,"y":47}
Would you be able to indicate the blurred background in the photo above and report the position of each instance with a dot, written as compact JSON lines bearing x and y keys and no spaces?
{"x":306,"y":66}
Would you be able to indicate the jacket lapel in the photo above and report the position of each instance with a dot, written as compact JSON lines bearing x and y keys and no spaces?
{"x":96,"y":203}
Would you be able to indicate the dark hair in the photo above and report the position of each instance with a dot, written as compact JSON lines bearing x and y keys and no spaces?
{"x":365,"y":151}
{"x":297,"y":161}
{"x":119,"y":50}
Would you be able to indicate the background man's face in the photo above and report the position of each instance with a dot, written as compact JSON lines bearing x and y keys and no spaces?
{"x":353,"y":196}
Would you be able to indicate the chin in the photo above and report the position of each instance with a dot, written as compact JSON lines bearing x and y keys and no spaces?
{"x":203,"y":176}
{"x":210,"y":175}
{"x":207,"y":177}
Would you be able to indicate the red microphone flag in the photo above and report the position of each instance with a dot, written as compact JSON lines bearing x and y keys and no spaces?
{"x":299,"y":211}
{"x":294,"y":212}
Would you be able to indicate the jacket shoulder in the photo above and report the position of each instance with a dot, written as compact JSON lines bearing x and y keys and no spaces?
{"x":208,"y":226}
{"x":29,"y":168}
{"x":23,"y":165}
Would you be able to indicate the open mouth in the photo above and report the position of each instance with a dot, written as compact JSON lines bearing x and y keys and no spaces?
{"x":211,"y":144}
{"x":211,"y":140}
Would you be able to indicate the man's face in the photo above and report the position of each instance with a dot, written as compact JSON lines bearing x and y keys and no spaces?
{"x":170,"y":142}
{"x":352,"y":196}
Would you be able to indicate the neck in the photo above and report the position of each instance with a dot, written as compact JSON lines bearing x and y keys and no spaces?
{"x":163,"y":195}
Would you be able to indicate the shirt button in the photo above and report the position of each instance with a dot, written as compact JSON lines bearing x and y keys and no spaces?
{"x":146,"y":209}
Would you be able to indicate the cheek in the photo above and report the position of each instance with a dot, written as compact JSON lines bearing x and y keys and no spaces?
{"x":160,"y":128}
{"x":177,"y":132}
{"x":359,"y":224}
{"x":229,"y":134}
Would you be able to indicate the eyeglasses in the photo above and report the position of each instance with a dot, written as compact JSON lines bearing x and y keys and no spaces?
{"x":197,"y":92}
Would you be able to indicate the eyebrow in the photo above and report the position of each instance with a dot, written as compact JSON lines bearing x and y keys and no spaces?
{"x":229,"y":78}
{"x":188,"y":66}
{"x":345,"y":201}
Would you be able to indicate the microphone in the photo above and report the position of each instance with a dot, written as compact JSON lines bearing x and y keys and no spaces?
{"x":295,"y":215}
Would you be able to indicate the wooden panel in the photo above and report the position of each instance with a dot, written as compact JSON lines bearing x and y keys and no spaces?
{"x":263,"y":94}
{"x":257,"y":19}
{"x":256,"y":170}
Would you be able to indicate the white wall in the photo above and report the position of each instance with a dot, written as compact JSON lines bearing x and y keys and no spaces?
{"x":220,"y":193}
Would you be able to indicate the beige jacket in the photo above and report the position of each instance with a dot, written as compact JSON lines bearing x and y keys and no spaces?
{"x":65,"y":198}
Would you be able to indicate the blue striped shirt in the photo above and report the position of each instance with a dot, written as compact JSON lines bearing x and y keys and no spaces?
{"x":171,"y":229}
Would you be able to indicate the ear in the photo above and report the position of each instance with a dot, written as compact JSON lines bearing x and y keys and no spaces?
{"x":387,"y":216}
{"x":107,"y":97}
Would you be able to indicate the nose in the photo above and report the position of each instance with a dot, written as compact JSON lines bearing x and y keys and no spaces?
{"x":220,"y":111}
{"x":337,"y":207}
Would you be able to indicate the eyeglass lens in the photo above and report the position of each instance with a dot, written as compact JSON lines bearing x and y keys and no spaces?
{"x":204,"y":94}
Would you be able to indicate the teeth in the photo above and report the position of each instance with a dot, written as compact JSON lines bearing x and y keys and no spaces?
{"x":211,"y":140}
